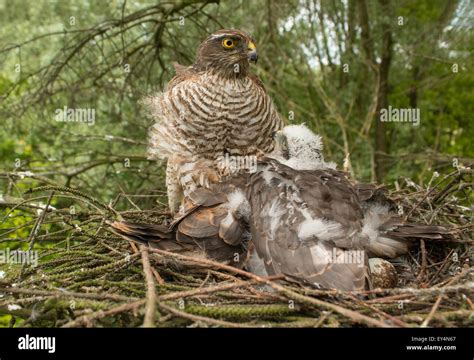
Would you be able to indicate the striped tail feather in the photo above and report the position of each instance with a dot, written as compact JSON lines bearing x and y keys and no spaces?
{"x":142,"y":233}
{"x":396,"y":237}
{"x":421,"y":231}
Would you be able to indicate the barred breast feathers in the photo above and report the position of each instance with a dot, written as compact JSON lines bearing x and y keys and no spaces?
{"x":204,"y":114}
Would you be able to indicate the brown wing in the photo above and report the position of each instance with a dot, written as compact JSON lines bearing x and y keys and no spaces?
{"x":213,"y":226}
{"x":208,"y":226}
{"x":302,"y":220}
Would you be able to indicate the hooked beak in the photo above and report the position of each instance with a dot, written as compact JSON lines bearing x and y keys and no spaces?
{"x":252,"y":52}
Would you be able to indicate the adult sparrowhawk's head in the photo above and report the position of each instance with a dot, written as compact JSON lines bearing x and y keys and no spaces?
{"x":227,"y":52}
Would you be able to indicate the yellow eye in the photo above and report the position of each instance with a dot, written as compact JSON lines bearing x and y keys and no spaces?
{"x":228,"y":43}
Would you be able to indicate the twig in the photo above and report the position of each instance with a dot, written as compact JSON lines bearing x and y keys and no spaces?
{"x":158,"y":278}
{"x":355,"y":316}
{"x":201,"y":318}
{"x":432,"y":312}
{"x":87,"y":319}
{"x":213,"y":289}
{"x":423,"y":261}
{"x":150,"y":307}
{"x":395,"y":320}
{"x":113,"y":297}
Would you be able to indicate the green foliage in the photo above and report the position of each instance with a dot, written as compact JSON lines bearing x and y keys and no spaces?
{"x":106,"y":56}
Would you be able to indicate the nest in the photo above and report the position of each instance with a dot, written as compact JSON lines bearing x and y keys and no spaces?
{"x":86,"y":276}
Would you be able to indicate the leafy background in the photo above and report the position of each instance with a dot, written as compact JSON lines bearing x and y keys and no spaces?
{"x":107,"y":55}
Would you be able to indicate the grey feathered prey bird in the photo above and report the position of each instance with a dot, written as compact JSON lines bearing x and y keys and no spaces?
{"x":304,"y":217}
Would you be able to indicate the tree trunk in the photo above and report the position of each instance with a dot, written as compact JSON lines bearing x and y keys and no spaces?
{"x":381,"y":147}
